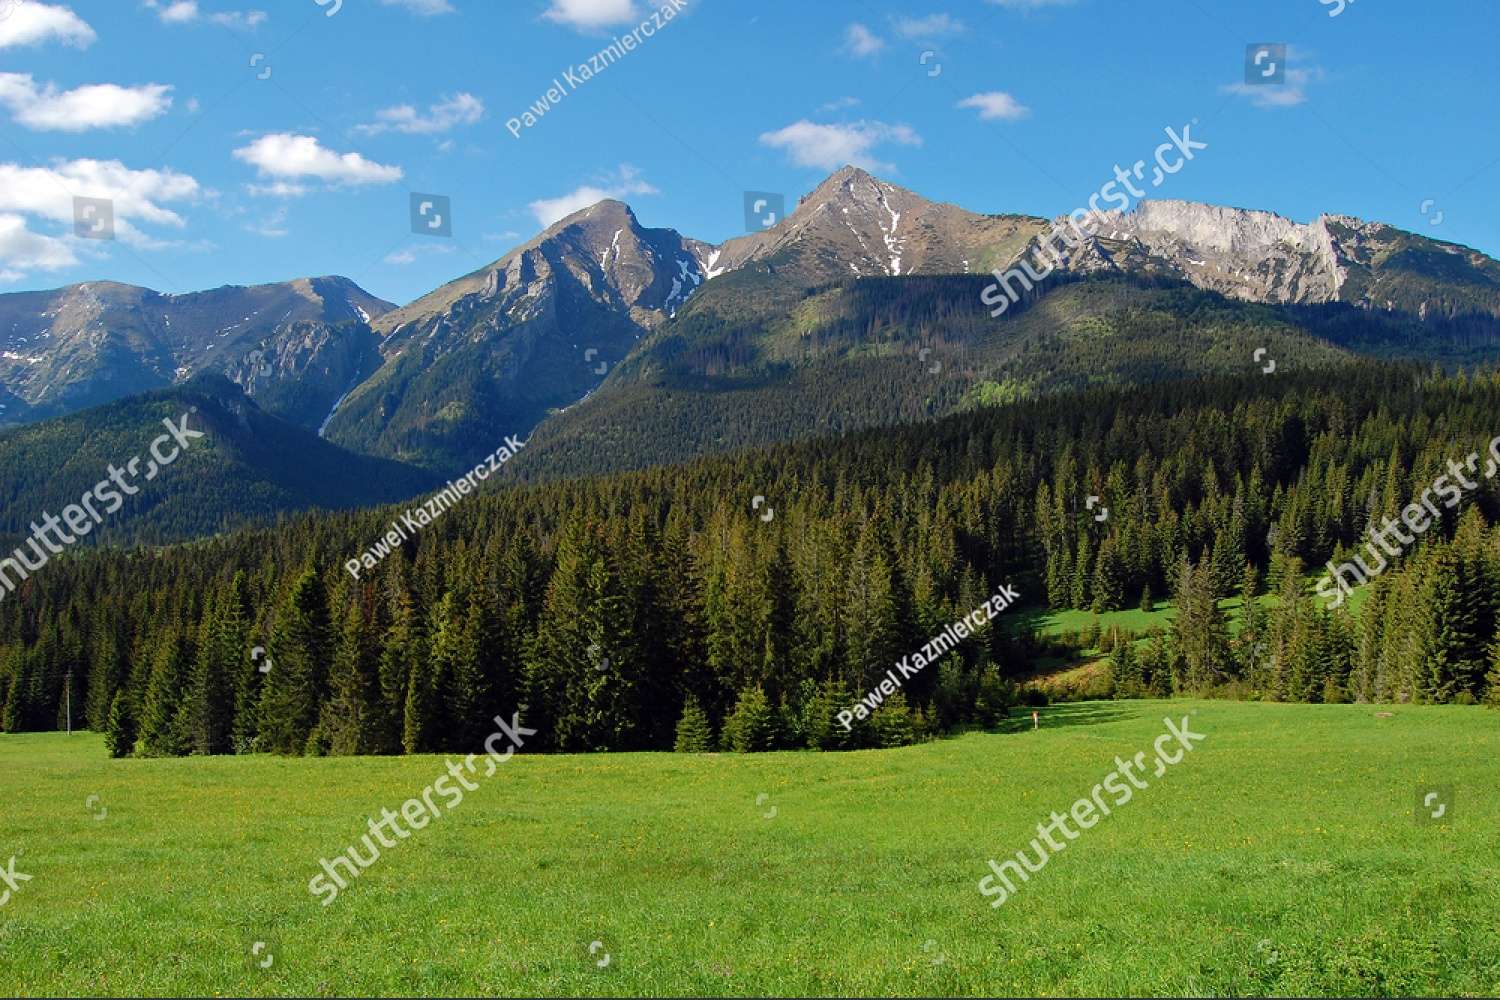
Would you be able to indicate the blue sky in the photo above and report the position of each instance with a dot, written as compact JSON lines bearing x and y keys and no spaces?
{"x":243,"y":141}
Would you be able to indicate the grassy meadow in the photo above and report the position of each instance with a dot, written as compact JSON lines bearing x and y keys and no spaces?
{"x":1283,"y":856}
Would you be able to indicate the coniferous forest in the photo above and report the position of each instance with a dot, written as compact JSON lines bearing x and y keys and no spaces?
{"x":661,"y":609}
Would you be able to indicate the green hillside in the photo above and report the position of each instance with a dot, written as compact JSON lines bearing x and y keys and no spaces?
{"x":249,"y":466}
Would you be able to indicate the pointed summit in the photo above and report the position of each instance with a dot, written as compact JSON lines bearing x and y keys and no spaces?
{"x":855,"y":225}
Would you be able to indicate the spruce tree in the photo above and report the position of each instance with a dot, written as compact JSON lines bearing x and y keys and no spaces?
{"x":165,"y":693}
{"x":750,"y":728}
{"x":694,"y":734}
{"x":120,"y":732}
{"x":301,"y":647}
{"x":211,"y":705}
{"x":350,"y":720}
{"x":893,"y":723}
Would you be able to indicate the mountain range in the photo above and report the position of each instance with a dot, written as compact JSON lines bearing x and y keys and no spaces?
{"x":613,"y":345}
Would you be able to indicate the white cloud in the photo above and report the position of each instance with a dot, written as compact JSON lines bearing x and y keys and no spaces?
{"x":460,"y":109}
{"x":590,"y":14}
{"x":832,"y":146}
{"x":996,"y":105}
{"x":99,"y":105}
{"x":22,"y":251}
{"x":1281,"y":95}
{"x":861,"y":42}
{"x":422,"y":8}
{"x":273,"y":226}
{"x":1032,"y":4}
{"x":278,"y":189}
{"x":188,"y":12}
{"x":626,"y":182}
{"x":30,"y":22}
{"x":45,"y":195}
{"x":838,"y":105}
{"x":288,"y":157}
{"x":409,"y":255}
{"x":933,"y":26}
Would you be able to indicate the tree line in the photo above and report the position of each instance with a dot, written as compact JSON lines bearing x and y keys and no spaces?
{"x":660,"y":609}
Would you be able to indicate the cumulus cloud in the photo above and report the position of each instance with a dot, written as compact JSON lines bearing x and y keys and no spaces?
{"x":627,"y":181}
{"x":1032,"y":4}
{"x":839,"y":104}
{"x":996,"y":105}
{"x":1282,"y":95}
{"x":188,"y":12}
{"x":933,"y":26}
{"x":449,"y":113}
{"x":278,"y":189}
{"x":861,"y":42}
{"x":44,"y":196}
{"x":422,"y":8}
{"x":829,"y":147}
{"x":409,"y":255}
{"x":99,"y":105}
{"x":587,"y":15}
{"x":30,"y":22}
{"x":22,"y":251}
{"x":287,"y":158}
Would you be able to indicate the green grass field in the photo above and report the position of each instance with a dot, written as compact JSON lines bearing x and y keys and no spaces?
{"x":1284,"y":856}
